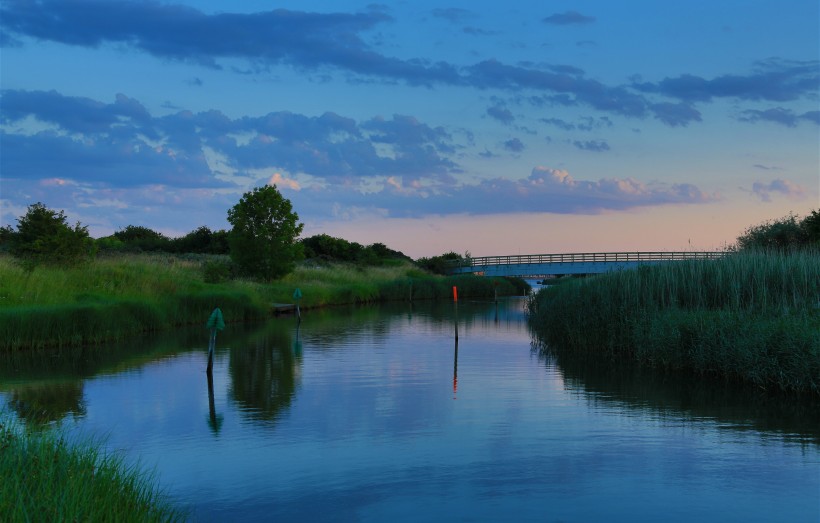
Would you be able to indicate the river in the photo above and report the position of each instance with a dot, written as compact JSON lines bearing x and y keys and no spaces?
{"x":378,"y":414}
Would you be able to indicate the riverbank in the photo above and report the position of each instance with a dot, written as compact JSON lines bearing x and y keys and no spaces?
{"x":753,"y":317}
{"x":46,"y":479}
{"x":121,"y":296}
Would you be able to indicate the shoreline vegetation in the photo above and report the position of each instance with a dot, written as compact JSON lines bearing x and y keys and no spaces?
{"x":47,"y":479}
{"x":751,"y":316}
{"x":123,"y":295}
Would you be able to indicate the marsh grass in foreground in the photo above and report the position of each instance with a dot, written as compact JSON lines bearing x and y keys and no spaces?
{"x":754,"y":316}
{"x":117,"y":297}
{"x":46,"y":479}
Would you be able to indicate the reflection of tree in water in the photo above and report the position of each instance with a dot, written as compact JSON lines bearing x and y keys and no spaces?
{"x":263,"y":374}
{"x":46,"y":402}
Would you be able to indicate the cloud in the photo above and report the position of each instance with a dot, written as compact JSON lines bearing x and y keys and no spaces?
{"x":475,"y":31}
{"x":597,"y":146}
{"x":771,"y":80}
{"x":453,"y":14}
{"x":812,"y":116}
{"x":766,"y":167}
{"x":514,"y":145}
{"x":557,"y":122}
{"x":676,"y":114}
{"x":576,"y":87}
{"x":546,"y":190}
{"x":325,"y":42}
{"x":586,"y":123}
{"x":278,"y":180}
{"x":397,"y":166}
{"x":786,"y":188}
{"x":568,"y":18}
{"x":121,"y":144}
{"x":779,"y":115}
{"x":175,"y":32}
{"x":502,"y":114}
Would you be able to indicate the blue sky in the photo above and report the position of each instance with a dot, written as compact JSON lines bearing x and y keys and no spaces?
{"x":470,"y":126}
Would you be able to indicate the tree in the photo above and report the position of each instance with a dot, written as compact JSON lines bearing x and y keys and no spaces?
{"x":782,"y":234}
{"x":440,"y":264}
{"x":44,"y":237}
{"x":811,"y":228}
{"x":138,"y":238}
{"x":263,"y":238}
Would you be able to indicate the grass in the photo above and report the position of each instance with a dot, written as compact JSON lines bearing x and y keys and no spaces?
{"x":749,"y":316}
{"x":46,"y":479}
{"x":118,"y":297}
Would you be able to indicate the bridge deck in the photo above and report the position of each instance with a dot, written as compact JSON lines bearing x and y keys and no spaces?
{"x":570,"y":263}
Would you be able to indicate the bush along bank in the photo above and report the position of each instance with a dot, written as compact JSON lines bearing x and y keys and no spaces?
{"x":119,"y":297}
{"x":750,"y":316}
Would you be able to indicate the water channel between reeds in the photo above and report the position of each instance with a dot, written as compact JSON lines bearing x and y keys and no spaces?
{"x":378,"y":414}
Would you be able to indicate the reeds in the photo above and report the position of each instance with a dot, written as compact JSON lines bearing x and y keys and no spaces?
{"x":753,"y":316}
{"x":47,"y":479}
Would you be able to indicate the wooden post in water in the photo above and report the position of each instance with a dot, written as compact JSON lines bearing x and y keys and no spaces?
{"x":211,"y":348}
{"x":215,"y":322}
{"x":211,"y":403}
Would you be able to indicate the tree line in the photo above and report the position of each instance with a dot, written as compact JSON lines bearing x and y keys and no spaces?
{"x":264,"y":243}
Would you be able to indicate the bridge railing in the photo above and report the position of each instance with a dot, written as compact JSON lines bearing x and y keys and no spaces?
{"x":584,"y":257}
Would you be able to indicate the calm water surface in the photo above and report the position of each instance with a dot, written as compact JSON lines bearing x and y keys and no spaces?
{"x":376,"y":414}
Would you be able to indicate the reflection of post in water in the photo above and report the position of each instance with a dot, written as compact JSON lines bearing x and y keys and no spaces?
{"x":297,"y":343}
{"x":214,"y":421}
{"x":297,"y":295}
{"x":495,"y":299}
{"x":455,"y":370}
{"x":455,"y":307}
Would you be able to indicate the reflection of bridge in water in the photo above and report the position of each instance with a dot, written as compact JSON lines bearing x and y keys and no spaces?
{"x":537,"y":265}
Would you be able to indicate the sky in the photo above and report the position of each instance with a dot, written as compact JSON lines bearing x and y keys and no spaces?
{"x":484,"y":127}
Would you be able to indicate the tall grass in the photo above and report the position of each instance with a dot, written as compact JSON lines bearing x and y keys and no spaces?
{"x":753,"y":316}
{"x":117,"y":297}
{"x":46,"y":479}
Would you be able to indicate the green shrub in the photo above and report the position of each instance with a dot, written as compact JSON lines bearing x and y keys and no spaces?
{"x":216,"y":271}
{"x":44,"y":237}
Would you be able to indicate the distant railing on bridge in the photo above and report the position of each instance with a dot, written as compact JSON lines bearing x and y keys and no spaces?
{"x":583,"y":257}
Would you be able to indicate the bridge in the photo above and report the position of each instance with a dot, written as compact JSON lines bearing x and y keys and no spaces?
{"x":542,"y":265}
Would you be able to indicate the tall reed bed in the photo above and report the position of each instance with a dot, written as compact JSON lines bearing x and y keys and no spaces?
{"x":753,"y":316}
{"x":118,"y":297}
{"x":46,"y":479}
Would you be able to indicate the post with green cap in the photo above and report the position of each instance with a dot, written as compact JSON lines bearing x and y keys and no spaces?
{"x":297,"y":295}
{"x":215,"y":322}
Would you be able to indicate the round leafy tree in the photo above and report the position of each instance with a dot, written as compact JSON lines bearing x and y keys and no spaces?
{"x":263,"y":238}
{"x":43,"y":236}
